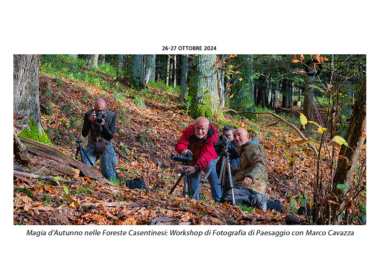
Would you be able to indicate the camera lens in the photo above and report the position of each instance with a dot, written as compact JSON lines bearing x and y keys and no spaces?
{"x":99,"y":117}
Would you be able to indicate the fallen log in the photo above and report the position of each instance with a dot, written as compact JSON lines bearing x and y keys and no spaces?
{"x":57,"y":163}
{"x":20,"y":152}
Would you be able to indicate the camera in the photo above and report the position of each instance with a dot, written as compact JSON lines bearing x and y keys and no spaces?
{"x":223,"y":137}
{"x":99,"y":117}
{"x":185,"y":159}
{"x":224,"y":143}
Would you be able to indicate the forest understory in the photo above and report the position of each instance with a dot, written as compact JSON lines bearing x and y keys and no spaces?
{"x":148,"y":125}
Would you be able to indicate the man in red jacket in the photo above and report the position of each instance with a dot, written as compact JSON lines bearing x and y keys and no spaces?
{"x":199,"y":139}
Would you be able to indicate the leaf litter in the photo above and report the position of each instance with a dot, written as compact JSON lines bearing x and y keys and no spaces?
{"x":144,"y":140}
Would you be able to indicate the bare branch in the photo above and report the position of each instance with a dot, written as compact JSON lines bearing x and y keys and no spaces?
{"x":281,"y":119}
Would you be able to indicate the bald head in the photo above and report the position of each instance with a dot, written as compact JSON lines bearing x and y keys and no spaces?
{"x":201,"y":127}
{"x":241,"y":136}
{"x":100,"y":100}
{"x":202,"y":121}
{"x":100,"y":105}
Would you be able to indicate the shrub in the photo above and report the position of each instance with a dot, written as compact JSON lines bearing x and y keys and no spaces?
{"x":139,"y":102}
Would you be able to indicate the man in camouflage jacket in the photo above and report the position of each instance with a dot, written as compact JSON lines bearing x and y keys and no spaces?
{"x":253,"y":170}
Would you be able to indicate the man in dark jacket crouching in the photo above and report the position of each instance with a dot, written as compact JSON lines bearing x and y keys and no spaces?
{"x":99,"y":125}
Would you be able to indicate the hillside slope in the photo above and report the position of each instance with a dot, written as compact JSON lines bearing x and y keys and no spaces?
{"x":149,"y":123}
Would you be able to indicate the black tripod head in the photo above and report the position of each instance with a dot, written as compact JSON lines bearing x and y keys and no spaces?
{"x":224,"y":146}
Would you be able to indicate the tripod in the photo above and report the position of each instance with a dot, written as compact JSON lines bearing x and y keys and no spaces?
{"x":186,"y":181}
{"x":82,"y":152}
{"x":225,"y":156}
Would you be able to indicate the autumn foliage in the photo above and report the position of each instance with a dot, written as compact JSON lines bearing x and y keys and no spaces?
{"x":144,"y":140}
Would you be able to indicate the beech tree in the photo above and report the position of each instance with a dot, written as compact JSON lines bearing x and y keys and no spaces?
{"x":174,"y":70}
{"x":103,"y":59}
{"x":203,"y":87}
{"x":149,"y":68}
{"x":140,"y":70}
{"x":168,"y":71}
{"x":355,"y":139}
{"x":243,"y":87}
{"x":93,"y":60}
{"x":120,"y":65}
{"x":184,"y":72}
{"x":26,"y":102}
{"x":221,"y":75}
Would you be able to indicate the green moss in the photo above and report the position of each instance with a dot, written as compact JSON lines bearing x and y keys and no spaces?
{"x":32,"y":133}
{"x":201,"y":105}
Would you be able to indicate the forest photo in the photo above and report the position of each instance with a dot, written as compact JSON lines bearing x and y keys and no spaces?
{"x":119,"y":139}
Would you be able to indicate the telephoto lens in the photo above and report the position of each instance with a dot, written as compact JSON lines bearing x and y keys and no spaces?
{"x":184,"y":159}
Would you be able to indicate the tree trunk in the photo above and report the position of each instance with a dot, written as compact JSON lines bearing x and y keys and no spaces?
{"x":175,"y":71}
{"x":269,"y":97}
{"x":148,"y":70}
{"x":228,"y":86}
{"x":184,"y":73}
{"x":135,"y":70}
{"x":153,"y":75}
{"x":140,"y":70}
{"x":355,"y":139}
{"x":26,"y":101}
{"x":261,"y":94}
{"x":308,"y":103}
{"x":204,"y":86}
{"x":93,"y":61}
{"x":221,"y":77}
{"x":120,"y":65}
{"x":168,"y":71}
{"x":242,"y":88}
{"x":287,"y":94}
{"x":103,"y":59}
{"x":275,"y":95}
{"x":299,"y":94}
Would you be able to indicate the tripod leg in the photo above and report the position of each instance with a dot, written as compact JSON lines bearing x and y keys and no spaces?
{"x":230,"y":178}
{"x":222,"y":171}
{"x":175,"y":185}
{"x":184,"y":184}
{"x":208,"y":173}
{"x":83,"y":152}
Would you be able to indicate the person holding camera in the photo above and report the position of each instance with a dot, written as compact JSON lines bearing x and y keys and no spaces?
{"x":99,"y":125}
{"x":198,"y":140}
{"x":227,"y":138}
{"x":253,"y":169}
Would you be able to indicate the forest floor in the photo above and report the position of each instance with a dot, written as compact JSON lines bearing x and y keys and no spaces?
{"x":149,"y":123}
